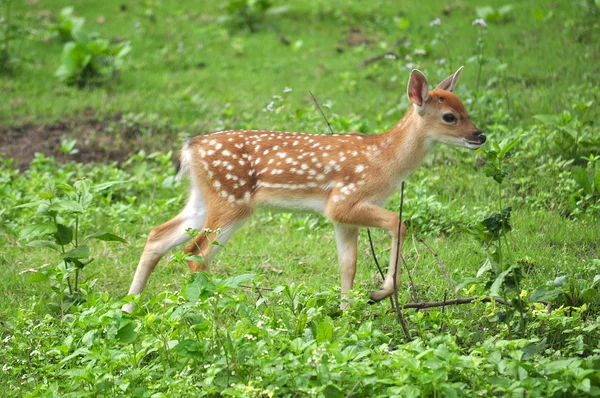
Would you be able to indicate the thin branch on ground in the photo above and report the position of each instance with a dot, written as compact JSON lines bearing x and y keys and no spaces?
{"x":268,"y":289}
{"x":413,"y":289}
{"x":442,"y":266}
{"x":466,"y":300}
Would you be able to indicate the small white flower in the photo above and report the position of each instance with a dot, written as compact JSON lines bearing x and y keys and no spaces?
{"x":420,"y":51}
{"x":469,"y":101}
{"x":410,"y":65}
{"x":327,"y":105}
{"x":270,"y":107}
{"x":442,"y":61}
{"x":435,"y":22}
{"x":287,"y":90}
{"x":480,"y":22}
{"x":277,"y":97}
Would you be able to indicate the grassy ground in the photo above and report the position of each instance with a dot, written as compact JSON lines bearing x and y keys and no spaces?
{"x":189,"y":73}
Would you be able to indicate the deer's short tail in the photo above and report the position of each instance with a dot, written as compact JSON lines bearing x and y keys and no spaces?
{"x":183,"y":164}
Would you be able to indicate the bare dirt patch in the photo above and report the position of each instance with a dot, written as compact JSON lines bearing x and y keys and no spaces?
{"x":97,"y":141}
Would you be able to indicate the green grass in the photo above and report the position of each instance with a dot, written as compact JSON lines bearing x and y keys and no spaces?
{"x":551,"y":67}
{"x":246,"y":70}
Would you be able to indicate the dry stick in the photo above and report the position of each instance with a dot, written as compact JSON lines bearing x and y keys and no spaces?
{"x":413,"y":289}
{"x":377,"y":262}
{"x":352,"y":390}
{"x":398,"y":309}
{"x":268,"y":289}
{"x":466,"y":300}
{"x":442,"y":266}
{"x":319,"y":106}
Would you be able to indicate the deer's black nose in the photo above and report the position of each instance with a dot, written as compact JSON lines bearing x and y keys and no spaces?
{"x":479,"y":136}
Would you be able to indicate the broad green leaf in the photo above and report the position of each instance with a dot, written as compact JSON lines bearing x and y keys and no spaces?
{"x":189,"y":349}
{"x":69,"y":206}
{"x":497,"y":285}
{"x":199,"y":285}
{"x":589,"y":295}
{"x":106,"y":236}
{"x":198,"y":259}
{"x":551,"y":120}
{"x":88,"y":338}
{"x":34,"y":230}
{"x":485,"y":267}
{"x":106,"y":185}
{"x":44,"y":243}
{"x":236,"y":280}
{"x":65,"y":187}
{"x":544,"y":294}
{"x":581,"y":177}
{"x":558,"y":281}
{"x":127,"y":333}
{"x":30,"y":204}
{"x":63,"y":235}
{"x":36,"y":277}
{"x":534,"y":349}
{"x":332,"y":391}
{"x":82,"y":251}
{"x":325,"y":330}
{"x":507,"y":147}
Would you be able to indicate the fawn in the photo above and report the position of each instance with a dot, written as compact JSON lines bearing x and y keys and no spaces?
{"x":346,"y":178}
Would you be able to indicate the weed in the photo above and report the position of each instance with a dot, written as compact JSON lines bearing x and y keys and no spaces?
{"x":63,"y":207}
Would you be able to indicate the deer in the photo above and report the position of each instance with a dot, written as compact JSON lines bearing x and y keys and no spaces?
{"x":345,"y":177}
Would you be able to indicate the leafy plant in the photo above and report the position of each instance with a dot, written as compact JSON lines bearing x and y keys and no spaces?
{"x":67,"y":24}
{"x":64,"y":207}
{"x":570,"y":291}
{"x":91,"y":60}
{"x":87,"y":59}
{"x":504,"y":273}
{"x":502,"y":14}
{"x":588,"y":182}
{"x":250,"y":14}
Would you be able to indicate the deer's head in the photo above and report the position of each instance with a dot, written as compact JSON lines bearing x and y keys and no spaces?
{"x":443,"y":115}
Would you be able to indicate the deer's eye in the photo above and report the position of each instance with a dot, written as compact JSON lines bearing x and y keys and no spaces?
{"x":449,"y":118}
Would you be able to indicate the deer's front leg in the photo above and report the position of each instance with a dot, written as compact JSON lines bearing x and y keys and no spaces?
{"x":346,"y":237}
{"x":368,"y":215}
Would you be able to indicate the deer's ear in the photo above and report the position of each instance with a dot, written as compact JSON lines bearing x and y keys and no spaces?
{"x":449,"y":83}
{"x":418,"y":88}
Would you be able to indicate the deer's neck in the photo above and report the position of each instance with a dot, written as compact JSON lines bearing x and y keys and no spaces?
{"x":405,"y":145}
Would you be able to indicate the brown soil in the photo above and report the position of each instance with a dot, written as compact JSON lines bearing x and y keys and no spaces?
{"x":97,"y":141}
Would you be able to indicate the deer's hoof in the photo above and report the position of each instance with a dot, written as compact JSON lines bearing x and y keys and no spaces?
{"x":379,"y":295}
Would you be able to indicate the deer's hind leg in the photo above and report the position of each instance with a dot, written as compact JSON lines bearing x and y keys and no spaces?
{"x":165,"y":237}
{"x":224,"y":218}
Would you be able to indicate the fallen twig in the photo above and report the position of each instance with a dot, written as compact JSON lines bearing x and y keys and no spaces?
{"x":466,"y":300}
{"x":268,"y":289}
{"x":442,"y":266}
{"x":33,"y":269}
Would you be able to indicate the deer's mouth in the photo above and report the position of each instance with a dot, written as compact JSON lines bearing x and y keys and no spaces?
{"x":472,"y":144}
